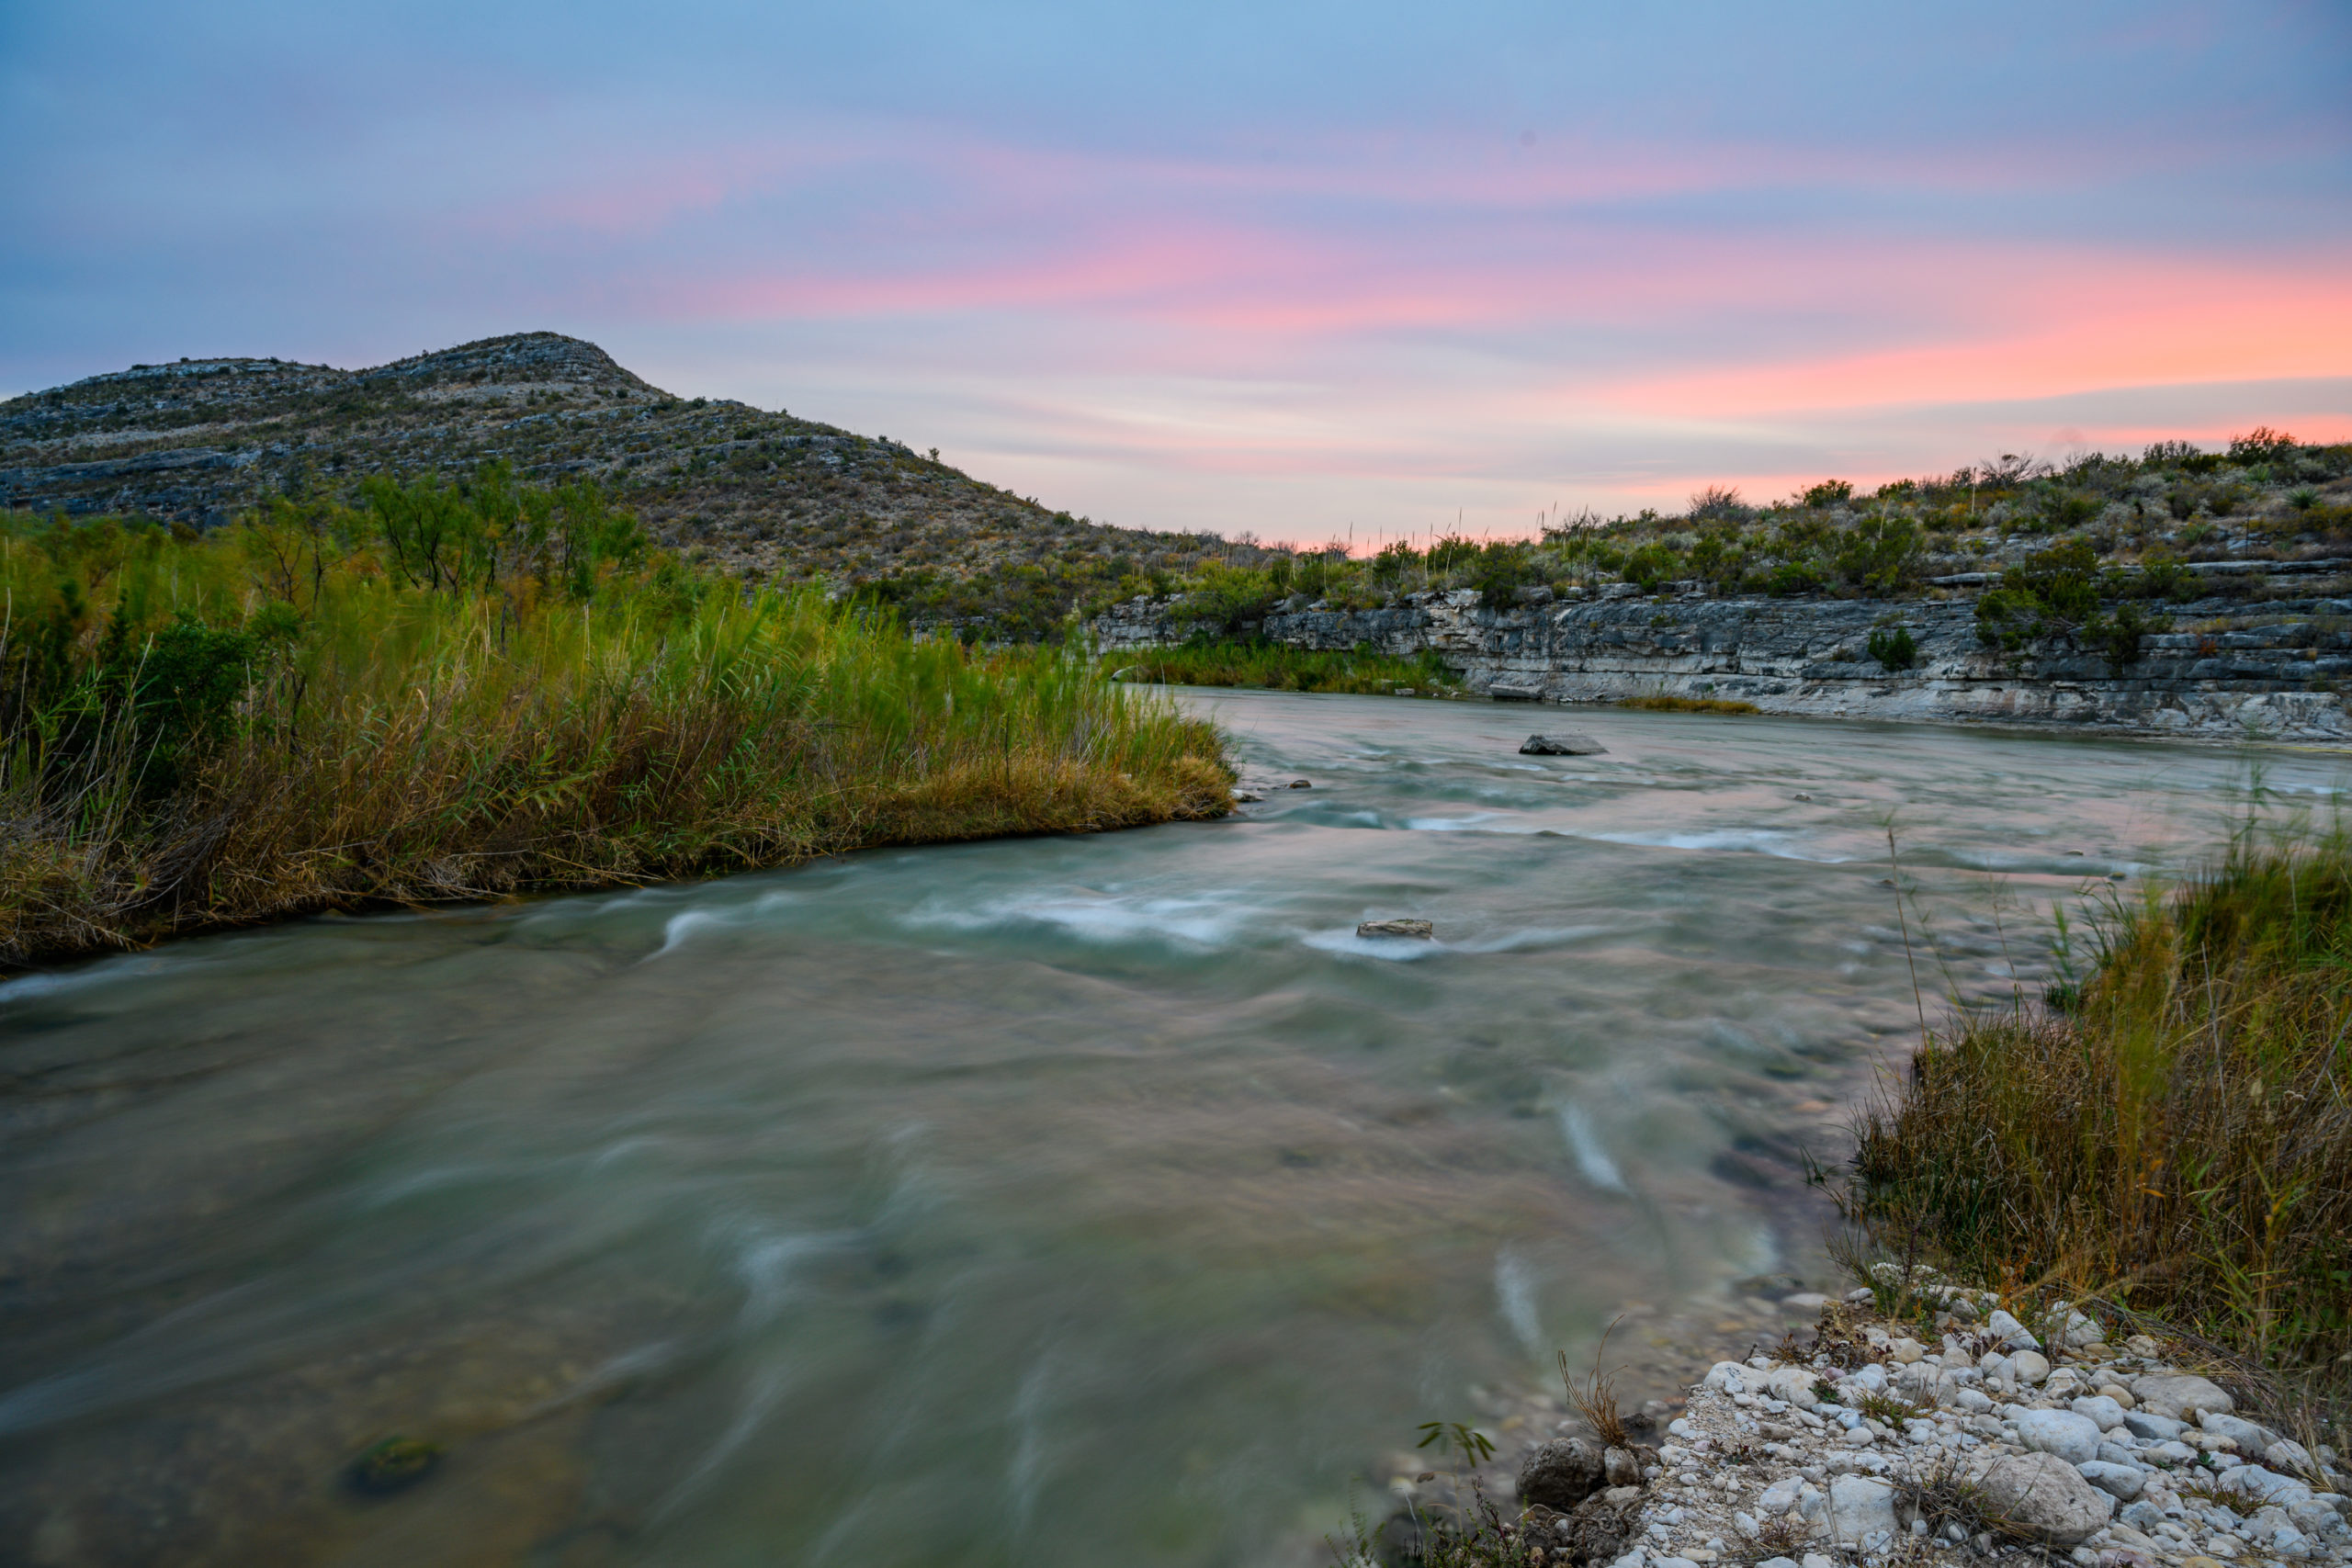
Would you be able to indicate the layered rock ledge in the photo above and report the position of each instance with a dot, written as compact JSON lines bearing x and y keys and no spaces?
{"x":2227,"y":670}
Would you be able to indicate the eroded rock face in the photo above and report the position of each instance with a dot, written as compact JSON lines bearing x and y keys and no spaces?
{"x":1562,"y":1473}
{"x":2043,"y":1496}
{"x":1810,"y":656}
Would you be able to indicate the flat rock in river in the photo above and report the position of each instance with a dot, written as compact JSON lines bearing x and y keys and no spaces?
{"x":1571,"y":744}
{"x":1421,"y":928}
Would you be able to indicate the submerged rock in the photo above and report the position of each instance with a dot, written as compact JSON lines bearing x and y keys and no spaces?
{"x":1570,"y":743}
{"x":393,"y":1465}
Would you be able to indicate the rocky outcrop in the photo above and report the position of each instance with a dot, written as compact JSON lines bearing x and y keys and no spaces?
{"x":2228,"y":668}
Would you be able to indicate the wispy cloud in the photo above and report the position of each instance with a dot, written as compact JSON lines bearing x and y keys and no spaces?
{"x":1287,"y":268}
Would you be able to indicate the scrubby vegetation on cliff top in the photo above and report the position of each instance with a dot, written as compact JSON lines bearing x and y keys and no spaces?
{"x":453,"y":693}
{"x":2050,"y":546}
{"x":2175,"y":1133}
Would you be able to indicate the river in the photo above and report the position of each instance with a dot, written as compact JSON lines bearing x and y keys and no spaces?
{"x":1048,"y":1202}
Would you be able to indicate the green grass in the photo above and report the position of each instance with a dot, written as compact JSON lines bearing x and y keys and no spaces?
{"x":1687,"y":704}
{"x":461,"y":694}
{"x":2179,"y":1138}
{"x":1278,"y":667}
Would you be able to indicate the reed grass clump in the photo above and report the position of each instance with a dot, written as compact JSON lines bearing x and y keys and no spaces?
{"x":449,"y":695}
{"x":1278,"y":667}
{"x":2178,"y":1137}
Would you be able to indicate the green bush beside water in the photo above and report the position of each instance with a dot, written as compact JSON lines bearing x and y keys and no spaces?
{"x":2178,"y":1135}
{"x":477,"y":690}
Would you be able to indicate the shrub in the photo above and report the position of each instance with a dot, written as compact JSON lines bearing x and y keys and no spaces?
{"x":1828,"y":492}
{"x":2118,"y":636}
{"x":2178,"y":1137}
{"x":1894,"y":648}
{"x":1718,"y":500}
{"x":1651,"y":566}
{"x":1878,"y":554}
{"x":2260,"y":444}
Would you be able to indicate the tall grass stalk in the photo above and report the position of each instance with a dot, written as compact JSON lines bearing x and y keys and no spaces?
{"x":2180,"y":1136}
{"x":378,"y":740}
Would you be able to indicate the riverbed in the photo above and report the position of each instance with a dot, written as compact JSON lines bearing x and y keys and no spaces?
{"x":1050,"y":1201}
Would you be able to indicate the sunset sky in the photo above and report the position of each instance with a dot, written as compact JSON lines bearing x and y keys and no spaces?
{"x":1287,"y":268}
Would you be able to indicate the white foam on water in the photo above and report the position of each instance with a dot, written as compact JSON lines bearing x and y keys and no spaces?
{"x":1515,"y":1295}
{"x":678,"y":928}
{"x":1203,"y":921}
{"x":1395,"y":949}
{"x":1531,"y":937}
{"x":1583,"y":1143}
{"x":1750,"y":841}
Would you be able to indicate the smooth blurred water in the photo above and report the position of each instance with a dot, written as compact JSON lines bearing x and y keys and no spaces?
{"x":1048,"y":1202}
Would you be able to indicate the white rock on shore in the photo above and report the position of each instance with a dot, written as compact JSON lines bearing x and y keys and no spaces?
{"x":1877,"y":1445}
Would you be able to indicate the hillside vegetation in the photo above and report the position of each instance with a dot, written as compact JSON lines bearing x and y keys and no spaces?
{"x":460,"y":692}
{"x":763,"y":496}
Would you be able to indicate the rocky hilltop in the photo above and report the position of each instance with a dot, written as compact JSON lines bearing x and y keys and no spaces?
{"x":760,"y":493}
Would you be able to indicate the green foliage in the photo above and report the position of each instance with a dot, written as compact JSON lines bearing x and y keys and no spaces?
{"x":2118,"y":636}
{"x":1452,"y":553}
{"x":1894,"y":648}
{"x":2176,"y":1136}
{"x":1829,"y":492}
{"x":183,"y":741}
{"x":2260,"y":444}
{"x":1879,"y":555}
{"x":1500,"y":571}
{"x":2051,"y":594}
{"x":1718,"y":501}
{"x":1651,"y":566}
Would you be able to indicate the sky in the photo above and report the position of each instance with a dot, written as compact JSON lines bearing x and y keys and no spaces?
{"x":1303,"y":270}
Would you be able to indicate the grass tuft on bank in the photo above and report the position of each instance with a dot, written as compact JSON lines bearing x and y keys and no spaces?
{"x":1278,"y":667}
{"x":2178,"y":1138}
{"x":468,"y":691}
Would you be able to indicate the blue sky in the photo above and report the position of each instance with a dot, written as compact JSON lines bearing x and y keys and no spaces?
{"x":1291,"y":269}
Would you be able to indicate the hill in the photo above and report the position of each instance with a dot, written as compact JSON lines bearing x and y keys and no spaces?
{"x":762,"y":495}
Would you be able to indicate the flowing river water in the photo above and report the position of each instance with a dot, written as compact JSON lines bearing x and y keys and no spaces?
{"x":1050,"y":1201}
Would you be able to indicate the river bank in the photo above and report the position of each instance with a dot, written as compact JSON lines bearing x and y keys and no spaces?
{"x":2168,"y":1126}
{"x":1950,"y":1433}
